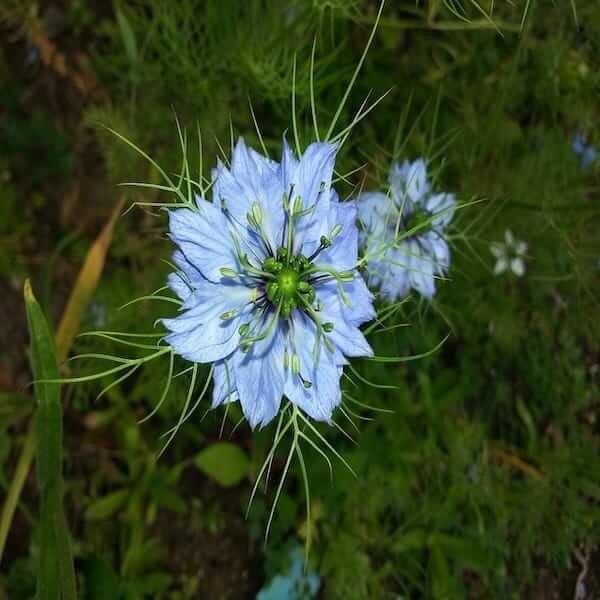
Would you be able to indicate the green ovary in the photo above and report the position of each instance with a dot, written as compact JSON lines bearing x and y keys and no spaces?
{"x":288,"y":282}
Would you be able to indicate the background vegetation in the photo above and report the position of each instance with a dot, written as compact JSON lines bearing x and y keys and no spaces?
{"x":484,"y":481}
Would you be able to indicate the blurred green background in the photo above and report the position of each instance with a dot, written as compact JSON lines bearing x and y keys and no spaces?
{"x":484,"y":481}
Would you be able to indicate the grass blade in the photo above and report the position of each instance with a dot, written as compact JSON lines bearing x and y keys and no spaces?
{"x":56,"y":575}
{"x":85,"y":286}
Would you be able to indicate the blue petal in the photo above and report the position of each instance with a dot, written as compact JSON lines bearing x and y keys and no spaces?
{"x":179,"y":284}
{"x":224,"y":390}
{"x":438,"y":250}
{"x":396,"y":281}
{"x":421,"y":272}
{"x":199,"y":334}
{"x":347,"y":316}
{"x":319,"y":400}
{"x":204,"y":239}
{"x":408,"y":183}
{"x":259,"y":378}
{"x":373,"y":211}
{"x":343,"y":253}
{"x":249,"y":165}
{"x":442,"y":206}
{"x":253,"y":179}
{"x":310,"y":180}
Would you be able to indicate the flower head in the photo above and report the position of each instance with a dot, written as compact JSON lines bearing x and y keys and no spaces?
{"x":509,"y":255}
{"x":267,"y":277}
{"x":586,"y":152}
{"x":403,"y":232}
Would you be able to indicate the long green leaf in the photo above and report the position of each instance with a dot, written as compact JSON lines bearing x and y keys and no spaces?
{"x":56,"y":576}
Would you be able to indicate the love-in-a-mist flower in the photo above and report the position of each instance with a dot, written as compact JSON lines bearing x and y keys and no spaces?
{"x":509,"y":255}
{"x":403,"y":232}
{"x":586,"y":152}
{"x":267,"y":276}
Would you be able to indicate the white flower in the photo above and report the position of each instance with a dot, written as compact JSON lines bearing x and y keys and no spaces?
{"x":509,"y":255}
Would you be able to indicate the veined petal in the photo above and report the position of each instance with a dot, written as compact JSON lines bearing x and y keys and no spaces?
{"x":359,"y":307}
{"x":224,"y":390}
{"x":212,"y":300}
{"x":200,"y":334}
{"x":442,"y":207}
{"x":320,"y":371}
{"x":343,"y":252}
{"x":373,"y":211}
{"x":311,"y":182}
{"x":396,"y":284}
{"x":260,"y":379}
{"x":408,"y":183}
{"x":253,"y":178}
{"x":204,"y":239}
{"x":202,"y":342}
{"x":437,"y":248}
{"x":249,"y":165}
{"x":313,"y":172}
{"x":421,"y":272}
{"x":178,"y":283}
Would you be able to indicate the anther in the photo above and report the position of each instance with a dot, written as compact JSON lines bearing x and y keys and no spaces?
{"x":227,"y":272}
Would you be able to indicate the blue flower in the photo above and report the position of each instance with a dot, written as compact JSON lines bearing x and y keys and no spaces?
{"x":403,"y":233}
{"x":267,"y":276}
{"x":586,"y":152}
{"x":296,"y":584}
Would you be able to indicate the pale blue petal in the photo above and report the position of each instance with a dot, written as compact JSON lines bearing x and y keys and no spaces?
{"x":224,"y":389}
{"x":359,"y":309}
{"x":324,"y":394}
{"x":199,"y":334}
{"x":421,"y":274}
{"x":204,"y":239}
{"x":259,"y":378}
{"x":202,"y":342}
{"x":311,"y":182}
{"x":442,"y":207}
{"x":343,"y":253}
{"x":178,"y":283}
{"x":373,"y":211}
{"x":408,"y":183}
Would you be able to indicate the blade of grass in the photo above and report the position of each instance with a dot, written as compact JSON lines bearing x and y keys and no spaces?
{"x":56,"y":575}
{"x":85,"y":286}
{"x":80,"y":296}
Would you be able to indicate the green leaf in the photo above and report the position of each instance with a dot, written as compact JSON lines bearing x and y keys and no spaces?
{"x":168,"y":499}
{"x":128,"y":37}
{"x":106,"y":506}
{"x":101,"y":582}
{"x":226,"y":463}
{"x":415,"y":539}
{"x":56,"y":576}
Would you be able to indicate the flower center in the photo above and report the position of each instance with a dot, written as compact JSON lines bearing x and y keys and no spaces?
{"x":288,"y":282}
{"x":289,"y":286}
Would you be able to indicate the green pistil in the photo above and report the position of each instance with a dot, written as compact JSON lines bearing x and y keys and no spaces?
{"x":288,"y":280}
{"x":288,"y":285}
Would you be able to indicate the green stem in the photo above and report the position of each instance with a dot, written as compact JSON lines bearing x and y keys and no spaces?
{"x":16,"y":486}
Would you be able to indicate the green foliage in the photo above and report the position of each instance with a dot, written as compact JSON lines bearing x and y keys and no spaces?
{"x":226,"y":463}
{"x":56,"y":576}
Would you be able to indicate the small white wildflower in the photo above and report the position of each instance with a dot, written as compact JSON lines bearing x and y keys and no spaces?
{"x":509,"y":255}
